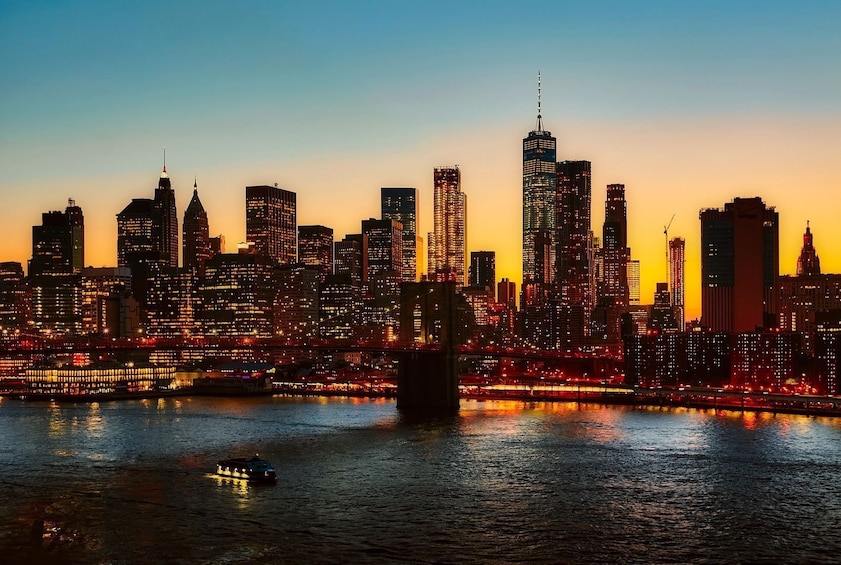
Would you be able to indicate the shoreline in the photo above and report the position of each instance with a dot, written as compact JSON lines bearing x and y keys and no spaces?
{"x":605,"y":399}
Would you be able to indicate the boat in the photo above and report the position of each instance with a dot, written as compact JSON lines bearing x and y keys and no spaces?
{"x":247,"y":468}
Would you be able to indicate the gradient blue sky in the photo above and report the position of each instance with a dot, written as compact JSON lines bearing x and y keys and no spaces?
{"x":689,"y":104}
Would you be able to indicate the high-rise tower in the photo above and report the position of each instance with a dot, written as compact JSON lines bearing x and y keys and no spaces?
{"x":401,"y":204}
{"x":739,"y":266}
{"x":270,"y":222}
{"x":58,"y":255}
{"x":196,"y":233}
{"x":677,"y":280}
{"x":615,"y":245}
{"x":315,"y":248}
{"x":448,"y":244}
{"x":539,"y":202}
{"x":573,"y":218}
{"x":166,"y":220}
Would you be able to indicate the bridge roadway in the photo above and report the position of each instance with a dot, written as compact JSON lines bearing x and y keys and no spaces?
{"x":122,"y":345}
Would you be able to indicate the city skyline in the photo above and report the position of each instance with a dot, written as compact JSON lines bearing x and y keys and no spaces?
{"x":655,"y":97}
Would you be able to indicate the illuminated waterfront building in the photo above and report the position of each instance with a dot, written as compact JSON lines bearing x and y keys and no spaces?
{"x":677,"y":280}
{"x":539,"y":204}
{"x":296,"y":308}
{"x":270,"y":222}
{"x":98,"y":379}
{"x":447,"y":247}
{"x":15,"y":299}
{"x":58,"y":255}
{"x":197,"y":248}
{"x":351,"y":258}
{"x":739,"y":266}
{"x":237,"y":296}
{"x":401,"y":205}
{"x":828,"y":352}
{"x":315,"y":248}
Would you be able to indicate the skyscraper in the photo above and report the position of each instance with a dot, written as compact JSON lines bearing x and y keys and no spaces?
{"x":270,"y":222}
{"x":14,"y":299}
{"x":385,"y":247}
{"x":166,"y":220}
{"x":351,"y":258}
{"x":315,"y":248}
{"x":448,"y":245}
{"x":196,"y":234}
{"x":58,"y":255}
{"x":573,"y":219}
{"x":539,"y":202}
{"x":401,"y":204}
{"x":677,"y":280}
{"x":614,"y":296}
{"x":739,"y":266}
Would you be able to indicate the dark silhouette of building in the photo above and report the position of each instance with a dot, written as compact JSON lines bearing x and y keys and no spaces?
{"x":483,"y":270}
{"x":270,"y":222}
{"x":573,"y":217}
{"x":808,"y":262}
{"x":401,"y":205}
{"x":662,"y":316}
{"x":197,"y":249}
{"x":58,"y":255}
{"x":315,"y":248}
{"x":739,"y":266}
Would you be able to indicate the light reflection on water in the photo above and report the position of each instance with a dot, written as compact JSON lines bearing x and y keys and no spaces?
{"x":358,"y":482}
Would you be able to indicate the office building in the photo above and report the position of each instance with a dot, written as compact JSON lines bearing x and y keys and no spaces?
{"x":483,"y":270}
{"x":270,"y":222}
{"x":574,"y":233}
{"x":385,"y":247}
{"x":315,"y":248}
{"x":634,"y":290}
{"x":351,"y":258}
{"x":296,"y":302}
{"x":614,"y":294}
{"x":739,"y":266}
{"x":15,"y":299}
{"x":401,"y":205}
{"x":237,"y":296}
{"x":166,"y":220}
{"x":58,"y":255}
{"x":172,"y":301}
{"x":107,"y":308}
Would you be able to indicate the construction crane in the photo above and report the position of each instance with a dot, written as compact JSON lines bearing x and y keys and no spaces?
{"x":666,"y":233}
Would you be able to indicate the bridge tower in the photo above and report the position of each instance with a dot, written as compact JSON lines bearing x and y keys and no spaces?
{"x":427,"y":373}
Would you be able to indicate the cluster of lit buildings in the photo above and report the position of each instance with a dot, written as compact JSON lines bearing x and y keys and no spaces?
{"x":580,"y":291}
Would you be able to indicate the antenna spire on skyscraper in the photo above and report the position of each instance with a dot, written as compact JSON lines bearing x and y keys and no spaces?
{"x":164,"y":159}
{"x":539,"y":116}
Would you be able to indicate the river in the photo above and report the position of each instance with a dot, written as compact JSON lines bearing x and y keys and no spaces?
{"x":501,"y":482}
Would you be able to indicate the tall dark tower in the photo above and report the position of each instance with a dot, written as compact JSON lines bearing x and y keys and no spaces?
{"x":614,"y":292}
{"x":539,"y":209}
{"x":401,"y":204}
{"x":739,"y":266}
{"x":196,"y":233}
{"x":574,"y":198}
{"x":166,"y":228}
{"x":808,"y":263}
{"x":483,"y":269}
{"x":271,"y":222}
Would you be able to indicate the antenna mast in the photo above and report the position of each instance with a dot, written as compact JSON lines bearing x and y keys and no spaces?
{"x":539,"y":116}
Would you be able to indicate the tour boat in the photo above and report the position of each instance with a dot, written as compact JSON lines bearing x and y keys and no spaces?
{"x":246,"y":468}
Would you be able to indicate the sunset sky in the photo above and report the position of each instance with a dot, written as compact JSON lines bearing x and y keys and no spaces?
{"x":689,"y":104}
